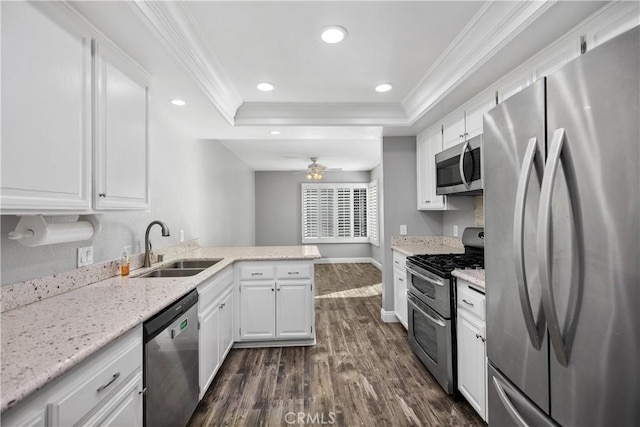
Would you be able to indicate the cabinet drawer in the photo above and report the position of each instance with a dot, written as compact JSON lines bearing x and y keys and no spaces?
{"x":209,"y":290}
{"x":97,"y":381}
{"x":257,"y":271}
{"x":399,"y":260}
{"x":470,"y":300}
{"x":293,"y":271}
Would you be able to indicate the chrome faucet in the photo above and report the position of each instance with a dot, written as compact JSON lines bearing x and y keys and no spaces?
{"x":147,"y":242}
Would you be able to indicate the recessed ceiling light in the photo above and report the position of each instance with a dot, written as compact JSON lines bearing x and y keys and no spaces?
{"x":333,"y":34}
{"x":178,"y":102}
{"x":265,"y":86}
{"x":275,"y":132}
{"x":384,"y":87}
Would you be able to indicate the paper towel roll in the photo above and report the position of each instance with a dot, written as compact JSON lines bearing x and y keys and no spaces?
{"x":34,"y":231}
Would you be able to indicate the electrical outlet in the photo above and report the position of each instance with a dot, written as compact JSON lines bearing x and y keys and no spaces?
{"x":182,"y":235}
{"x":85,"y":256}
{"x":403,"y":230}
{"x":455,"y":231}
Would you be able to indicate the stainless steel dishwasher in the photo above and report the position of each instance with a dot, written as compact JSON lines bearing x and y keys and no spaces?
{"x":171,"y":364}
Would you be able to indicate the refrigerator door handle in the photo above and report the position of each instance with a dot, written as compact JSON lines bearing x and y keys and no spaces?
{"x":508,"y":405}
{"x":461,"y":163}
{"x":544,"y":256}
{"x":518,"y":240}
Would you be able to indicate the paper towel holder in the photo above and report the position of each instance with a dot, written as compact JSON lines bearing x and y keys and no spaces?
{"x":33,"y":230}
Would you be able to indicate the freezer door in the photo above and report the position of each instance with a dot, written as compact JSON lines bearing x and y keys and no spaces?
{"x":589,"y":236}
{"x":514,"y":151}
{"x":509,"y":407}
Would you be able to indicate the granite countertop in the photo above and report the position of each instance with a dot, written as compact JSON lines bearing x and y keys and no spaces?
{"x":426,"y":245}
{"x":474,"y":277}
{"x":43,"y":340}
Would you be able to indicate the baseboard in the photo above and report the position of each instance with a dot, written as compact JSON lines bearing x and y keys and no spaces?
{"x":388,"y":316}
{"x":359,"y":260}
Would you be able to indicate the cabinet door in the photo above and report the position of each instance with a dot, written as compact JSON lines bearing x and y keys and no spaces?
{"x":429,"y":143}
{"x":475,"y":110}
{"x":46,"y":114}
{"x":209,"y":347}
{"x":472,"y":365}
{"x":294,"y":305}
{"x":226,"y":325}
{"x":453,"y":129}
{"x":400,"y":283}
{"x":258,"y":310}
{"x":121,"y":133}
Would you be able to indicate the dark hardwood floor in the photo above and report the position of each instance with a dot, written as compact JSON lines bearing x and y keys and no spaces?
{"x":361,"y":372}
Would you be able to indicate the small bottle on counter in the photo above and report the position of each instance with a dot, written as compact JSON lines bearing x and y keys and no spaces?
{"x":124,"y":262}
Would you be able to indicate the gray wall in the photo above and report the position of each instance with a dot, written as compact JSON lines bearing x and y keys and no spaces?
{"x":279,"y":216}
{"x":400,"y":204}
{"x":197,"y":186}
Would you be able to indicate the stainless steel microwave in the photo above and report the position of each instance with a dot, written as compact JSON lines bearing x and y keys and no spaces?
{"x":459,"y":168}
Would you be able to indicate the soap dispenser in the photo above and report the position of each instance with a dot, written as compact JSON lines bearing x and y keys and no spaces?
{"x":124,"y":262}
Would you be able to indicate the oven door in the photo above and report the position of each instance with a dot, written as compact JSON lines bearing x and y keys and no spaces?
{"x":430,"y":339}
{"x":458,"y":169}
{"x":431,"y":289}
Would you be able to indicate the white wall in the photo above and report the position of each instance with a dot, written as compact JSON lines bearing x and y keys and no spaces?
{"x":400,"y":204}
{"x":197,"y":186}
{"x":279,"y":216}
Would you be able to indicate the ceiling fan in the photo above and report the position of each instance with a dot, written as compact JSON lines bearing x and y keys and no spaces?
{"x":315,"y":170}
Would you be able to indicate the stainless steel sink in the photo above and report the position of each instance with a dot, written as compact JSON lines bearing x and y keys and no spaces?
{"x":173,"y":272}
{"x":192,"y":263}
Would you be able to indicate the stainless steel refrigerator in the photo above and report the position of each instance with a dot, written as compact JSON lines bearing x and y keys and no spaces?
{"x":562,"y":244}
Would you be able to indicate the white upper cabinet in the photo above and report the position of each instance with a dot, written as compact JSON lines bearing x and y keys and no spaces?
{"x":70,"y":116}
{"x":453,"y":129}
{"x":46,"y":110}
{"x":428,"y":144}
{"x":121,"y":176}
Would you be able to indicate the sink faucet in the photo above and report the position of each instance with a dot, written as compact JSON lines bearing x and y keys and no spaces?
{"x":147,"y":242}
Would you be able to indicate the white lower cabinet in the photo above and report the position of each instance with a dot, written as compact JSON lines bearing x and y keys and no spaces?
{"x":400,"y":287}
{"x":104,"y":390}
{"x":278,"y":303}
{"x":471,"y":345}
{"x":215,"y":318}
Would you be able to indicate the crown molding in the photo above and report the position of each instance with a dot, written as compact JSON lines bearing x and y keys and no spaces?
{"x":325,"y":114}
{"x":173,"y":25}
{"x":491,"y":28}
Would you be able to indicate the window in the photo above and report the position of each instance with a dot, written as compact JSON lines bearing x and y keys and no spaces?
{"x":340,"y":213}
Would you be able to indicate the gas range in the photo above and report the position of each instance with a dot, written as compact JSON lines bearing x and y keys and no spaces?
{"x":431,"y":306}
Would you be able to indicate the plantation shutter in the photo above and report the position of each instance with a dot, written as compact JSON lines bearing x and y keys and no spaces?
{"x":310,"y":213}
{"x":326,"y":211}
{"x":344,"y":212}
{"x":359,"y":212}
{"x":335,"y":213}
{"x":372,"y":213}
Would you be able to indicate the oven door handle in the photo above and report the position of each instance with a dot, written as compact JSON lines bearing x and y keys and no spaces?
{"x":415,"y":273}
{"x":436,"y":321}
{"x":461,"y":164}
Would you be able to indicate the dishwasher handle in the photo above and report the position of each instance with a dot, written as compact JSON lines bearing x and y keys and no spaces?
{"x":154,"y":326}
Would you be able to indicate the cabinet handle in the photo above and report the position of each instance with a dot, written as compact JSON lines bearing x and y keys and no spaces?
{"x":461,"y":135}
{"x":467,"y":302}
{"x":102,"y":387}
{"x":481,"y":337}
{"x":102,"y":194}
{"x":222,"y":305}
{"x":143,"y":391}
{"x":427,"y":201}
{"x":396,"y":262}
{"x":272,"y":289}
{"x":401,"y":279}
{"x":293,"y":272}
{"x":279,"y":289}
{"x":256,"y":274}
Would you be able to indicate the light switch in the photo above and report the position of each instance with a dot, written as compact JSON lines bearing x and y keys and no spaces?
{"x":455,"y":231}
{"x":85,"y":256}
{"x":403,"y":230}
